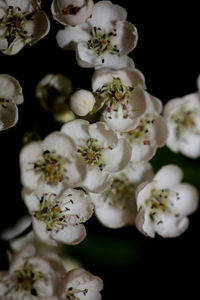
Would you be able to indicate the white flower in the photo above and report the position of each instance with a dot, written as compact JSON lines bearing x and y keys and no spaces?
{"x":183,"y":120}
{"x":116,"y":207}
{"x":105,"y":39}
{"x":22,"y":22}
{"x":51,"y":162}
{"x":119,"y":93}
{"x":31,"y":277}
{"x":10,"y":96}
{"x":72,"y":12}
{"x":81,"y":284}
{"x":102,"y":151}
{"x":82,"y":102}
{"x":59,"y":217}
{"x":150,"y":133}
{"x":53,"y":91}
{"x":165,"y":203}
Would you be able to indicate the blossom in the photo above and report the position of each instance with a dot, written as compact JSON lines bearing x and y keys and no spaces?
{"x":70,"y":12}
{"x":22,"y":22}
{"x":164,"y":203}
{"x":51,"y":162}
{"x":120,"y":95}
{"x":150,"y":133}
{"x":59,"y":217}
{"x":103,"y":152}
{"x":105,"y":39}
{"x":183,"y":120}
{"x":10,"y":96}
{"x":32,"y":277}
{"x":116,"y":207}
{"x":81,"y":284}
{"x":53,"y":91}
{"x":82,"y":102}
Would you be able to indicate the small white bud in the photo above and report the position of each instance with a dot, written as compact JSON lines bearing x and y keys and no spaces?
{"x":82,"y":102}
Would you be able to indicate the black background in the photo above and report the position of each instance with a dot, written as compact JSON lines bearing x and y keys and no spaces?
{"x":168,"y":54}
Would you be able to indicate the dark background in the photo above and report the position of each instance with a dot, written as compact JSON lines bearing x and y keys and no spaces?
{"x":167,"y":53}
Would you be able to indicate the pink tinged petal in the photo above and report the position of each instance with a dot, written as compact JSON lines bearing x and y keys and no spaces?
{"x":104,"y":13}
{"x":70,"y":36}
{"x":8,"y":115}
{"x":42,"y":234}
{"x":137,"y":102}
{"x":187,"y":200}
{"x":161,"y":128}
{"x":126,"y":38}
{"x":170,"y":226}
{"x":60,"y":143}
{"x":76,"y":130}
{"x":118,"y":158}
{"x":168,"y":176}
{"x":96,"y":181}
{"x":41,"y":26}
{"x":105,"y":136}
{"x":113,"y":217}
{"x":10,"y":89}
{"x":70,"y":235}
{"x":16,"y":46}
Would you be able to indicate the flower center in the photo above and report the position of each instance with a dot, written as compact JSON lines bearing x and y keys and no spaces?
{"x":92,"y":153}
{"x":142,"y":132}
{"x":113,"y":95}
{"x":13,"y":23}
{"x":159,"y":201}
{"x":120,"y":193}
{"x":101,"y":42}
{"x":26,"y":277}
{"x":4,"y":102}
{"x":50,"y":167}
{"x":71,"y":293}
{"x":55,"y":213}
{"x":184,"y":120}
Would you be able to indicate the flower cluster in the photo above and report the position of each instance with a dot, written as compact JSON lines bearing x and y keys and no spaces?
{"x":44,"y":277}
{"x":99,"y":160}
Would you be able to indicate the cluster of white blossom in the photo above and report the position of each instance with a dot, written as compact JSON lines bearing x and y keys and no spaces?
{"x":99,"y":160}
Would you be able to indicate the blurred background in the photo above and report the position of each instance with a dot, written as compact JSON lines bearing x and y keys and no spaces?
{"x":168,"y":54}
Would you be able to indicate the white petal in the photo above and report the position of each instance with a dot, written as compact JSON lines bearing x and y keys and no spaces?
{"x":190,"y":145}
{"x":71,"y":35}
{"x":31,"y":152}
{"x":20,"y":226}
{"x":198,"y":82}
{"x":126,"y":38}
{"x":3,"y":43}
{"x":105,"y":136}
{"x":188,"y":201}
{"x":60,"y":143}
{"x":42,"y":233}
{"x":143,"y":152}
{"x":76,"y":171}
{"x":81,"y":206}
{"x":19,"y":258}
{"x":8,"y":115}
{"x":138,"y":172}
{"x":29,"y":178}
{"x":70,"y":235}
{"x":168,"y":176}
{"x":10,"y":89}
{"x":41,"y":26}
{"x":114,"y":61}
{"x":16,"y":46}
{"x":171,"y":226}
{"x":77,"y":130}
{"x":96,"y":181}
{"x":118,"y":158}
{"x":104,"y":13}
{"x":113,"y":217}
{"x":25,"y":6}
{"x":161,"y":130}
{"x":144,"y":224}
